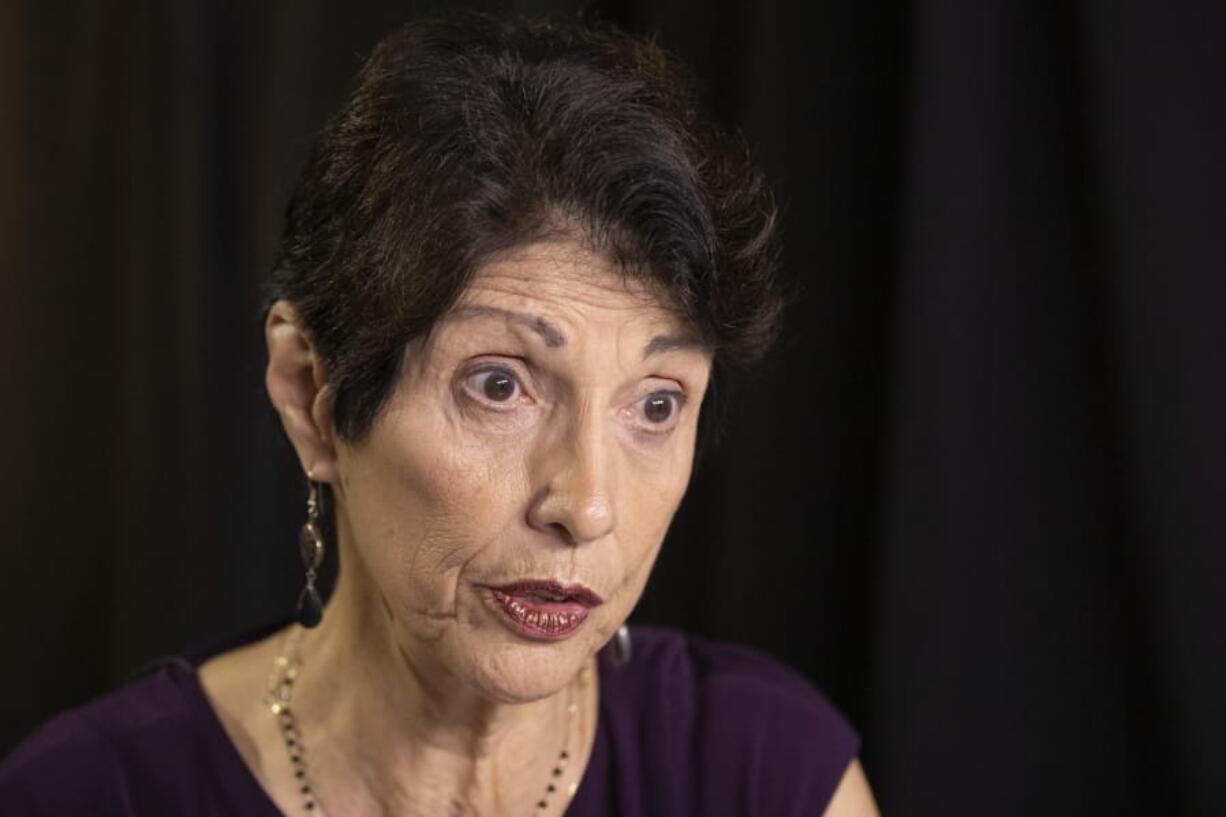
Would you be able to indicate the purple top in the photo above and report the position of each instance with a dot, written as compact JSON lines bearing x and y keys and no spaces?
{"x":687,"y":727}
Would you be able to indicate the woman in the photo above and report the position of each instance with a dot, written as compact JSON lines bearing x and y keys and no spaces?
{"x":515,"y":267}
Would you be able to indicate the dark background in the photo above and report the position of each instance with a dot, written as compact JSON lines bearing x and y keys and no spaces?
{"x":975,"y":495}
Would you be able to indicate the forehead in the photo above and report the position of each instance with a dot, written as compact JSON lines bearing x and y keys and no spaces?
{"x":567,"y":285}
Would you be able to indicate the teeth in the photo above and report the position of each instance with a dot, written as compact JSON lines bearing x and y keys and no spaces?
{"x":543,"y":619}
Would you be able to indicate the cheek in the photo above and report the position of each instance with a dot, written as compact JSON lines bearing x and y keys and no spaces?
{"x":652,"y":517}
{"x":646,"y":513}
{"x":423,"y":506}
{"x":659,"y":482}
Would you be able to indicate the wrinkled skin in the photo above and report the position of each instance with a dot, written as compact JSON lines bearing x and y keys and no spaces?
{"x":544,"y":429}
{"x":513,"y":448}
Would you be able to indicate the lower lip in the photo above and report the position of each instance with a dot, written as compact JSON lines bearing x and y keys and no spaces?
{"x":536,"y":619}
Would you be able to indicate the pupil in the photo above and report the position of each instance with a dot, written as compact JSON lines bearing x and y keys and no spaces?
{"x":658,"y":408}
{"x":499,"y":387}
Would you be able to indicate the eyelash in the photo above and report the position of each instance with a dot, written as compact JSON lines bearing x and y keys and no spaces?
{"x":678,"y":399}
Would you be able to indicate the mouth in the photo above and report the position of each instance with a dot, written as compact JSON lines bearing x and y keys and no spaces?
{"x":543,"y":609}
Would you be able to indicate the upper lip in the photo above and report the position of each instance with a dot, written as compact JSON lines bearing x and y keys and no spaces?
{"x":549,"y":587}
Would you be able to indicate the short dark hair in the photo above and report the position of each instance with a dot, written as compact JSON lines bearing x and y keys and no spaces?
{"x":466,"y":135}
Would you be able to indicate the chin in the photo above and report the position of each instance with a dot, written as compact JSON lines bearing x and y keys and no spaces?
{"x":513,"y":672}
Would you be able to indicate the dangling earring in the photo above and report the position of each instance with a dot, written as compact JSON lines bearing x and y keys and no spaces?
{"x":311,"y":549}
{"x":621,"y":646}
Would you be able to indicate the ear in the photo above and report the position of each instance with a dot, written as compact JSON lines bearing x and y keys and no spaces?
{"x":298,"y":387}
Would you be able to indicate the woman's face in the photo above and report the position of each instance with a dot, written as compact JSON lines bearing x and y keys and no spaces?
{"x":543,"y":432}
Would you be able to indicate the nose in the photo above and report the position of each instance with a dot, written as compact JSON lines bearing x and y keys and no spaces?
{"x":577,"y":473}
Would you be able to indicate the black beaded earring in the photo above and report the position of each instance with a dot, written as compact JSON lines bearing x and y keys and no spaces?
{"x":311,"y":548}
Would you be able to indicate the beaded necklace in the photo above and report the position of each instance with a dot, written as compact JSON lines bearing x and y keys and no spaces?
{"x":279,"y":699}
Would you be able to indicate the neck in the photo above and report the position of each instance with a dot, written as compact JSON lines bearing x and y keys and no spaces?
{"x":391,"y":732}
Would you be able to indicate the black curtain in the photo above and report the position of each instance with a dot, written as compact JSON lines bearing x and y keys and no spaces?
{"x":975,"y":495}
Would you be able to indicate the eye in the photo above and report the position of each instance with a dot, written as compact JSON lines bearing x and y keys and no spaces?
{"x":494,"y":385}
{"x":660,"y":409}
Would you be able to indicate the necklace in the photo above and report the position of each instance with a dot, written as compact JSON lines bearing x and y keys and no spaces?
{"x":279,"y":699}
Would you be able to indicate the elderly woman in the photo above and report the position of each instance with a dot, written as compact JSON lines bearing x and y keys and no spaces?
{"x":515,"y":268}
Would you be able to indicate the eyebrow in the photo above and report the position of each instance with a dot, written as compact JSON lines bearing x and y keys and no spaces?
{"x":549,"y":332}
{"x":666,"y":343}
{"x":553,"y":337}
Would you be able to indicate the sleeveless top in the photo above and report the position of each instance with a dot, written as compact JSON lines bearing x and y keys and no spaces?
{"x":687,"y":727}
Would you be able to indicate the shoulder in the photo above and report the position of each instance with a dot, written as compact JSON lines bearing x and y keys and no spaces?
{"x":87,"y":757}
{"x":694,"y":676}
{"x":103,"y":757}
{"x":756,"y":729}
{"x":88,"y":745}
